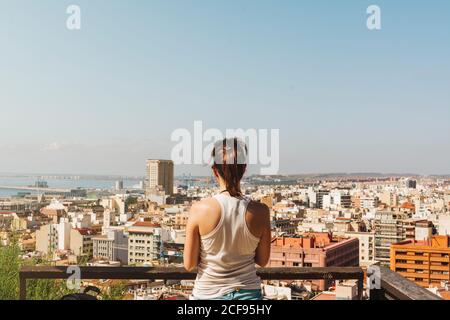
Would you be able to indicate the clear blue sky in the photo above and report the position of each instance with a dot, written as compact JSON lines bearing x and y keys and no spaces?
{"x":105,"y":98}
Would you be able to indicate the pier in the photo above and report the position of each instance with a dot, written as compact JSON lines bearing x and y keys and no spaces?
{"x":49,"y":190}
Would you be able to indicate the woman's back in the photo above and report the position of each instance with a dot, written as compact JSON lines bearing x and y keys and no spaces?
{"x":227,"y":250}
{"x":228,"y":234}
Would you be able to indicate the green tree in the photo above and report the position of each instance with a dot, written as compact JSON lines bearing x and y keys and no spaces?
{"x":37,"y":289}
{"x":9,"y":272}
{"x":115,"y":291}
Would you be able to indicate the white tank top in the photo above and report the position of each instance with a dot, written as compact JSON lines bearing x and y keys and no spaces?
{"x":227,"y":254}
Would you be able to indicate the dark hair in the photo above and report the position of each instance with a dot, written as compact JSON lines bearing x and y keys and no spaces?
{"x":230,"y":161}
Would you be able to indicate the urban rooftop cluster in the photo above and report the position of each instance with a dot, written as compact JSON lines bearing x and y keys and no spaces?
{"x":399,"y":222}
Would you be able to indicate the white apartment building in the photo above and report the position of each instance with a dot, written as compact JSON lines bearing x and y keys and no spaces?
{"x":366,"y":246}
{"x":444,"y":224}
{"x":52,"y":237}
{"x":111,"y":246}
{"x":144,"y":244}
{"x":368,"y":202}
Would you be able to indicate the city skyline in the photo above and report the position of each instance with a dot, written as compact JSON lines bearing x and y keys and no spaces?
{"x":51,"y":175}
{"x":103,"y":99}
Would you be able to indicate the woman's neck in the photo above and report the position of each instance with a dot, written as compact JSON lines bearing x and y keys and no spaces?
{"x":222,"y":186}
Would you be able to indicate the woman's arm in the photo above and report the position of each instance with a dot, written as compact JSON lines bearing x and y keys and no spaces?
{"x":262,"y":254}
{"x":192,"y":244}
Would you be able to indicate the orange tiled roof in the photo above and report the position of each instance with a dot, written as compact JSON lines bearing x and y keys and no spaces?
{"x":408,"y":205}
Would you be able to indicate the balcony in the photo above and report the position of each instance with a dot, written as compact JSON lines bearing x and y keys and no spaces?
{"x":393,"y":286}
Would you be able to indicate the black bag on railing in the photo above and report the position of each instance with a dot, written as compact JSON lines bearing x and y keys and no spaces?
{"x":83,"y":295}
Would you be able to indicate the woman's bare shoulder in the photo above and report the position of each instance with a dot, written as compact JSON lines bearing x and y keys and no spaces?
{"x":257,"y":218}
{"x":258,"y":209}
{"x":205,"y":206}
{"x":206,"y":214}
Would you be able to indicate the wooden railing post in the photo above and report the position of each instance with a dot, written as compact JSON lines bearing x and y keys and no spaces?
{"x":360,"y":287}
{"x":22,"y":287}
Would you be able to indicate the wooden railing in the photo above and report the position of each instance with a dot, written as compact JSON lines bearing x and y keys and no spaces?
{"x":393,"y":286}
{"x":147,"y":273}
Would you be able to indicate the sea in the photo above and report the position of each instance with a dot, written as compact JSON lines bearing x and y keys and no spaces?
{"x":61,"y":183}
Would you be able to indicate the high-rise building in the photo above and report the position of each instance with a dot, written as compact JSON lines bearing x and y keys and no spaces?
{"x":411,"y":184}
{"x":319,"y":198}
{"x":390,"y":227}
{"x":346,"y":201}
{"x":119,"y":185}
{"x":424,"y":262}
{"x":159,"y":176}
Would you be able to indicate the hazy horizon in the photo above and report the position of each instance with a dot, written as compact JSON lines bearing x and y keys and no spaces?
{"x":387,"y":174}
{"x":103,"y":99}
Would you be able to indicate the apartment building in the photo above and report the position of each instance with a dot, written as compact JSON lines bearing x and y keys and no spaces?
{"x":444,"y":224}
{"x":389,"y":227}
{"x":144,"y":244}
{"x":111,"y":246}
{"x":423,"y":230}
{"x":366,"y":246}
{"x":284,"y":226}
{"x":23,"y":223}
{"x":425,"y":262}
{"x":6,"y":220}
{"x":181,"y":219}
{"x":53,"y":237}
{"x":81,"y":243}
{"x":389,"y":198}
{"x":368,"y":202}
{"x":346,"y":201}
{"x":337,"y":199}
{"x":314,"y":250}
{"x":319,"y":198}
{"x":54,"y":210}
